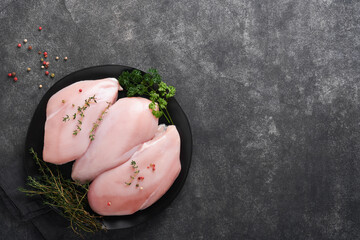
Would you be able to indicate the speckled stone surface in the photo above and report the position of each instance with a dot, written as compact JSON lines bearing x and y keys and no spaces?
{"x":271,"y":89}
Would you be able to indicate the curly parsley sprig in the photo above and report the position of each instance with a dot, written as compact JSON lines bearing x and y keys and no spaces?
{"x":151,"y":85}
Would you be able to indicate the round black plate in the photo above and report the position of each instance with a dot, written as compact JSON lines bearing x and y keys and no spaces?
{"x":35,"y":139}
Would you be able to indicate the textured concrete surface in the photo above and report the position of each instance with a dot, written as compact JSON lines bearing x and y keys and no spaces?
{"x":270,"y":89}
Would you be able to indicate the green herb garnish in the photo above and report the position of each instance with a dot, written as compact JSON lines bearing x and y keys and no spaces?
{"x":150,"y":85}
{"x":133,"y":163}
{"x":132,"y":177}
{"x":96,"y":124}
{"x":64,"y":194}
{"x":80,"y":111}
{"x":66,"y":118}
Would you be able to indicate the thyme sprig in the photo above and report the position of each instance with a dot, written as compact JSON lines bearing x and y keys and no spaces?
{"x":80,"y":112}
{"x":132,"y":177}
{"x":64,"y":194}
{"x":150,"y":85}
{"x":97,"y":123}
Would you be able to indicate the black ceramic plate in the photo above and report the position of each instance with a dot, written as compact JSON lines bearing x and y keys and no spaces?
{"x":35,"y":139}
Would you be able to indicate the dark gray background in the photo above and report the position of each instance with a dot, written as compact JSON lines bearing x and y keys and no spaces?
{"x":270,"y":89}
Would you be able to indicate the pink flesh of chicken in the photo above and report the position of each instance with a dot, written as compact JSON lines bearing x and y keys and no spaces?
{"x":128,"y":123}
{"x":109,"y":195}
{"x":60,"y":145}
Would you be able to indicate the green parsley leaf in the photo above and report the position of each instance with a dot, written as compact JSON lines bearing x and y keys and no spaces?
{"x":151,"y":85}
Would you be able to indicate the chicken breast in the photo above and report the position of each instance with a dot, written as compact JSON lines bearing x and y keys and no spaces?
{"x":61,"y":145}
{"x":123,"y":191}
{"x":128,"y":123}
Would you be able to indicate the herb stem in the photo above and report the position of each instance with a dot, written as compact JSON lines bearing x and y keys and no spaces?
{"x":167,"y":112}
{"x":167,"y":119}
{"x":63,"y":194}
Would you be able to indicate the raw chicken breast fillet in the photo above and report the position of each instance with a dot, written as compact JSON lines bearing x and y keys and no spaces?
{"x":128,"y":123}
{"x":110,"y":195}
{"x":60,"y":145}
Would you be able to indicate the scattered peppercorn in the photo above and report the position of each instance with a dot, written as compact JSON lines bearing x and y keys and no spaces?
{"x":28,"y":69}
{"x":46,"y":66}
{"x":39,"y":52}
{"x":63,"y":101}
{"x":9,"y":75}
{"x":65,"y":58}
{"x":13,"y":74}
{"x":15,"y":79}
{"x":80,"y":90}
{"x":46,"y":73}
{"x":40,"y":28}
{"x":30,"y":47}
{"x":52,"y":75}
{"x":152,"y":165}
{"x":19,"y":45}
{"x":40,"y":86}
